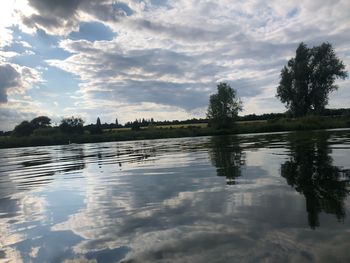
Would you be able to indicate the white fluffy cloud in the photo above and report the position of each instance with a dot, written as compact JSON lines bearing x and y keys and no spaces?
{"x":174,"y":55}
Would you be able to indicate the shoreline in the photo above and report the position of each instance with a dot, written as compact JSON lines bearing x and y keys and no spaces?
{"x":280,"y":125}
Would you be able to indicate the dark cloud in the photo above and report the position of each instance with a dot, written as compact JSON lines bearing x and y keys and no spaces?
{"x":9,"y":78}
{"x":63,"y":17}
{"x":62,"y":8}
{"x":53,"y":14}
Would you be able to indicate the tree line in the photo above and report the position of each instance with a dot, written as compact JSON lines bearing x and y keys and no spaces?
{"x":42,"y":125}
{"x":305,"y":84}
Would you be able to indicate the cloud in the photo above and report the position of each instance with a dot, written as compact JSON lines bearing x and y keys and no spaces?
{"x":15,"y":105}
{"x":63,"y":17}
{"x":10,"y":117}
{"x":9,"y":78}
{"x":16,"y":79}
{"x":156,"y":75}
{"x":15,"y":111}
{"x":6,"y":37}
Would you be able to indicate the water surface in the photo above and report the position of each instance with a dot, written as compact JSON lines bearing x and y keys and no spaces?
{"x":248,"y":198}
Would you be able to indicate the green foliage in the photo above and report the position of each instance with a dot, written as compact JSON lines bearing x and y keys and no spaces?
{"x":72,"y":125}
{"x":98,"y":122}
{"x":25,"y":128}
{"x":308,"y":79}
{"x":41,"y":122}
{"x":96,"y":129}
{"x":136,"y":125}
{"x":55,"y":137}
{"x":49,"y":131}
{"x":223,"y":106}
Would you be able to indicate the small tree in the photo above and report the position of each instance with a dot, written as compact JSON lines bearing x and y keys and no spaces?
{"x":307,"y":79}
{"x":224,"y":106}
{"x":72,"y":125}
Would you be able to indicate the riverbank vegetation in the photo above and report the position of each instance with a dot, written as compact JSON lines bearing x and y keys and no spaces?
{"x":55,"y":136}
{"x":304,"y":87}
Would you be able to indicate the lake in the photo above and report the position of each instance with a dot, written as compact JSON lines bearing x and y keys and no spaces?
{"x":247,"y":198}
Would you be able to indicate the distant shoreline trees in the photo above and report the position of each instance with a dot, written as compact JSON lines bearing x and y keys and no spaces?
{"x":307,"y":79}
{"x":224,"y":106}
{"x":72,"y":125}
{"x":95,"y":129}
{"x":26,"y":128}
{"x":41,"y":122}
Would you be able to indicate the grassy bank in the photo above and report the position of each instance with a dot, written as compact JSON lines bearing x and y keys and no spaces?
{"x":283,"y":124}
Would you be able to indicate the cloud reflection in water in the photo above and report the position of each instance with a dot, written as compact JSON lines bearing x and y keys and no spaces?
{"x":212,"y":199}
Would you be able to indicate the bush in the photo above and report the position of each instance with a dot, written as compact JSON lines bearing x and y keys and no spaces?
{"x":46,"y":131}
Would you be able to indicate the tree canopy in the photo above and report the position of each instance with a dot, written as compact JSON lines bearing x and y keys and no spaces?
{"x":307,"y":79}
{"x":25,"y":128}
{"x":72,"y":125}
{"x":41,"y":122}
{"x":224,"y":106}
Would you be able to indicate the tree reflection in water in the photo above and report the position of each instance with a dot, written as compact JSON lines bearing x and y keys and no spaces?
{"x":227,"y":156}
{"x":310,"y":171}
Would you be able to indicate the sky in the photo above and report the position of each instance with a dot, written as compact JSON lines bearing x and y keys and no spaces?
{"x":153,"y":58}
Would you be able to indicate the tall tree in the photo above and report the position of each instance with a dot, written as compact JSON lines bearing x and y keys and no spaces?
{"x":98,"y":122}
{"x":97,"y":129}
{"x":224,"y":106}
{"x":307,"y":79}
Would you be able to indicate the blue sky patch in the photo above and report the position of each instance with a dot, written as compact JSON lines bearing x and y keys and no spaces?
{"x":123,"y":7}
{"x":92,"y":31}
{"x":293,"y":13}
